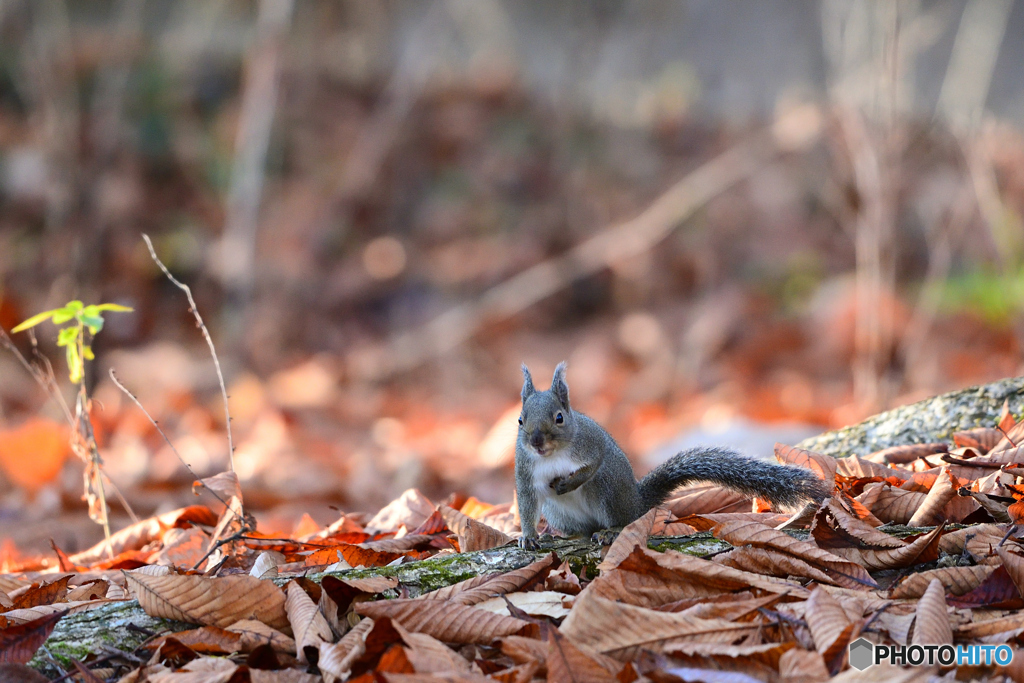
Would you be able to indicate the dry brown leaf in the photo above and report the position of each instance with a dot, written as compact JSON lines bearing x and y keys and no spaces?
{"x":92,"y":590}
{"x":210,"y":601}
{"x":708,"y":521}
{"x":429,"y":655}
{"x":138,"y":535}
{"x":19,"y":643}
{"x":897,"y":455}
{"x":44,"y":594}
{"x":956,"y":580}
{"x":941,"y":492}
{"x":370,"y":584}
{"x":802,"y":666}
{"x":183,"y":548}
{"x":522,"y":650}
{"x":843,"y":572}
{"x":830,"y":627}
{"x":923,"y":549}
{"x":399,"y":545}
{"x":855,"y":467}
{"x":759,"y":661}
{"x":410,"y":510}
{"x":699,"y":500}
{"x":473,"y":535}
{"x":254,"y":633}
{"x":983,"y":439}
{"x":534,"y":603}
{"x":1014,"y":564}
{"x":634,"y":535}
{"x":568,"y":664}
{"x":335,"y":660}
{"x":443,"y":620}
{"x":824,"y":466}
{"x":282,"y":676}
{"x":20,"y":616}
{"x":651,"y":579}
{"x":449,"y":592}
{"x":507,"y":582}
{"x":266,"y":564}
{"x":308,"y":624}
{"x":771,"y":563}
{"x":225,"y":485}
{"x":622,"y":630}
{"x":989,"y":627}
{"x":931,"y":623}
{"x":893,"y":504}
{"x":205,"y":640}
{"x":954,"y":542}
{"x":201,"y":670}
{"x":996,"y":509}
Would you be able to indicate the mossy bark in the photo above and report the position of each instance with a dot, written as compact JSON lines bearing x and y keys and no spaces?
{"x":931,"y":420}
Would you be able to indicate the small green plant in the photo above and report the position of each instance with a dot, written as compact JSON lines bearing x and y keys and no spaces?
{"x":73,"y":336}
{"x":83,"y":323}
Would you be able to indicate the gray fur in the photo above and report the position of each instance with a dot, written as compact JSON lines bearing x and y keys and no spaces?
{"x":587,"y":482}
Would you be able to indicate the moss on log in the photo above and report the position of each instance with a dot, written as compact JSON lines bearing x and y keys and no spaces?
{"x":930,"y":420}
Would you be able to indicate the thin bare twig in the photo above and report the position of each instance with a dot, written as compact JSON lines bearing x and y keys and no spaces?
{"x":209,"y":342}
{"x":167,"y":440}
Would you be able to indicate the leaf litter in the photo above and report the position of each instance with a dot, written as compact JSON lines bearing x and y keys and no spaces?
{"x":908,"y":550}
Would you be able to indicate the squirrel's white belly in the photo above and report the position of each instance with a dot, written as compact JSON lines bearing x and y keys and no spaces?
{"x":569,"y":510}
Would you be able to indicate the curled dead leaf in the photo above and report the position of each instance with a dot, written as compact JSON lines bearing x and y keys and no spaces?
{"x":931,"y":623}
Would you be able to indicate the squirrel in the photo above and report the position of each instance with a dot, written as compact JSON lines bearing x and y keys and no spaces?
{"x":571,"y":470}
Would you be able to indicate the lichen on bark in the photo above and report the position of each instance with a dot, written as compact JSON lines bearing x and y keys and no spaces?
{"x":931,"y":420}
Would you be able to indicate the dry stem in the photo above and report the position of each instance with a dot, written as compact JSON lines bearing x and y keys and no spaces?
{"x":209,"y":342}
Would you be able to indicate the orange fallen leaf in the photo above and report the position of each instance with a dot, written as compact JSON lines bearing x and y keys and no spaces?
{"x":33,"y":454}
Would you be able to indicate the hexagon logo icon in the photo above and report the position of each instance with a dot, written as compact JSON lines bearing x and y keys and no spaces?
{"x":862,"y":654}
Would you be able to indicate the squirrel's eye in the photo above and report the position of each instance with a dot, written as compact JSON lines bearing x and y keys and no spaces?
{"x":559,"y":419}
{"x":520,"y":422}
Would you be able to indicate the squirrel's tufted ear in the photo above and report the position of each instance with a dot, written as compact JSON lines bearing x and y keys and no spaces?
{"x":528,"y":389}
{"x":558,"y":385}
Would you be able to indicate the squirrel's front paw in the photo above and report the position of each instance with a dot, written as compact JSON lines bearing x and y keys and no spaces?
{"x":605,"y":536}
{"x":560,"y":486}
{"x":529,"y":542}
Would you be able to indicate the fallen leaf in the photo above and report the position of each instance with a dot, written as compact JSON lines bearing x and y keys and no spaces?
{"x":843,"y":572}
{"x":941,"y":492}
{"x":634,"y":535}
{"x":931,"y":623}
{"x":568,"y":664}
{"x":210,"y":601}
{"x":45,"y":594}
{"x":622,"y":630}
{"x":443,"y":620}
{"x":410,"y":510}
{"x":308,"y":624}
{"x":33,"y":454}
{"x":802,"y":666}
{"x":18,"y":643}
{"x":534,"y":603}
{"x":473,"y":535}
{"x":830,"y":627}
{"x":955,"y":580}
{"x":823,"y":466}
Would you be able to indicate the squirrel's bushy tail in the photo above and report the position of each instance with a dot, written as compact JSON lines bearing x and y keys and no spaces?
{"x":782,"y":485}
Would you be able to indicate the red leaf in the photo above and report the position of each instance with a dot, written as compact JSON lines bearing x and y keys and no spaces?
{"x":19,"y":643}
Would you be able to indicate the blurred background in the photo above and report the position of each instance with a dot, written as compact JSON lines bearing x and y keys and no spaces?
{"x":739,"y":223}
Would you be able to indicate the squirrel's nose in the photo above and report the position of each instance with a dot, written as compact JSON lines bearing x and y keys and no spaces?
{"x":536,"y":439}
